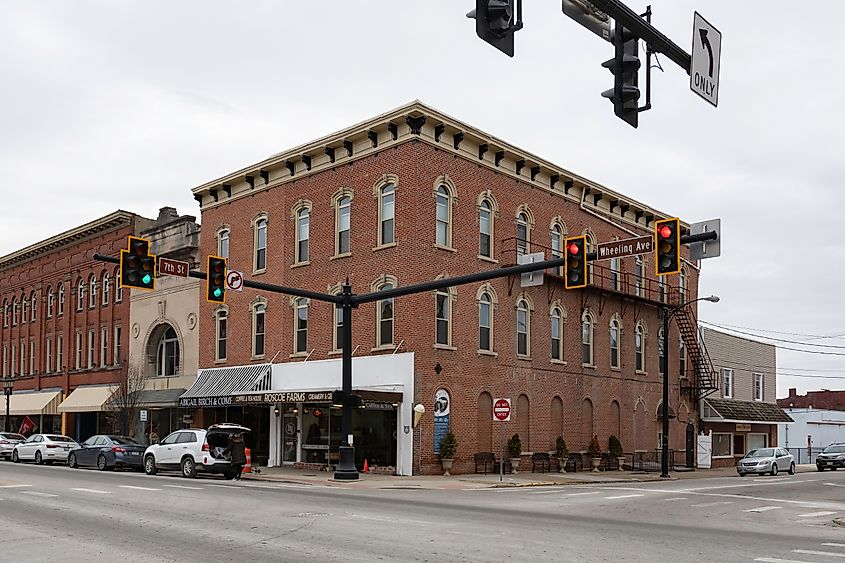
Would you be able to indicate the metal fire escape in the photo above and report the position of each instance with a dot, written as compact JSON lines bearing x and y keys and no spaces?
{"x":701,"y":380}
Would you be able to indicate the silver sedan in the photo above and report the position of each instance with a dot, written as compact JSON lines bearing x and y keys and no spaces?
{"x":766,"y":460}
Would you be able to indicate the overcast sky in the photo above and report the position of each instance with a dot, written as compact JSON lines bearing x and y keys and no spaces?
{"x":129,"y":105}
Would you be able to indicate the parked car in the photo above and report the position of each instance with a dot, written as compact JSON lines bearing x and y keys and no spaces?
{"x":107,"y":452}
{"x":7,"y":443}
{"x":766,"y":460}
{"x":44,"y":448}
{"x":832,"y":457}
{"x":192,"y":450}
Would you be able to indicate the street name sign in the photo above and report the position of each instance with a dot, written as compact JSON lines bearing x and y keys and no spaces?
{"x":706,"y":51}
{"x":627,"y":247}
{"x":529,"y":279}
{"x":502,"y":410}
{"x":235,"y":280}
{"x":173,"y":267}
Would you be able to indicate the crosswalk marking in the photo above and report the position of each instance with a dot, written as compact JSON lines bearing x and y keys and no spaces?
{"x":825,"y":553}
{"x":184,"y":487}
{"x":830,"y":544}
{"x":762,"y":509}
{"x":776,"y":560}
{"x":817,"y":514}
{"x":13,"y":486}
{"x":622,"y":496}
{"x":674,"y":498}
{"x":579,"y":494}
{"x":138,"y":488}
{"x":717,"y":503}
{"x":38,"y":494}
{"x":834,"y":485}
{"x":95,"y":491}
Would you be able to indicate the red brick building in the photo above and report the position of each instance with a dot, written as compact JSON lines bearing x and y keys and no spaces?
{"x":65,"y":326}
{"x":413,"y":195}
{"x":822,"y":400}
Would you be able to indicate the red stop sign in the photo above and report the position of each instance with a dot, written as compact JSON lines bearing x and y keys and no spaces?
{"x":502,"y":410}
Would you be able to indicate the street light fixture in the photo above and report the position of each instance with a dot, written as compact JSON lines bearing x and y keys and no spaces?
{"x":667,"y":313}
{"x":8,"y":385}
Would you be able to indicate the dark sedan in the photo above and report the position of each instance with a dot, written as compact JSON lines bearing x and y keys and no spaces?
{"x":107,"y":452}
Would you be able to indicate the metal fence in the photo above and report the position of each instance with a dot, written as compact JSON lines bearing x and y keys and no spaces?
{"x":804,"y":455}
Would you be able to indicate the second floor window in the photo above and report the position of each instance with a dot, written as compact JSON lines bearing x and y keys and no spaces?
{"x":485,"y":227}
{"x":260,"y":245}
{"x":557,"y":334}
{"x":222,"y":324}
{"x":303,"y":220}
{"x":639,"y":348}
{"x":682,"y":358}
{"x":300,"y":325}
{"x":521,"y":234}
{"x":92,"y":293}
{"x":385,"y":319}
{"x":485,"y":323}
{"x":78,"y":363}
{"x":33,"y":301}
{"x":90,"y":348}
{"x":386,"y":214}
{"x":48,"y":355}
{"x":59,"y":353}
{"x":223,"y":244}
{"x":344,"y":208}
{"x":338,"y":328}
{"x":557,"y":247}
{"x":80,"y":294}
{"x":5,"y":314}
{"x":118,"y":290}
{"x":116,"y":359}
{"x":258,"y":330}
{"x":614,"y":344}
{"x":15,"y":311}
{"x":443,"y":217}
{"x":639,"y":275}
{"x":106,"y":289}
{"x":614,"y":274}
{"x":523,"y":326}
{"x":443,"y":314}
{"x":167,"y":355}
{"x":727,"y":383}
{"x":104,"y":345}
{"x":51,"y":297}
{"x":24,"y":310}
{"x":587,"y":339}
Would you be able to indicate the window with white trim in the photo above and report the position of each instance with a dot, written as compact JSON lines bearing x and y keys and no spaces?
{"x":723,"y":444}
{"x":614,"y":343}
{"x":5,"y":360}
{"x":90,"y":348}
{"x":12,"y":364}
{"x":78,"y":363}
{"x":384,"y":321}
{"x":639,"y":276}
{"x":557,"y":333}
{"x":92,"y":292}
{"x":485,"y":228}
{"x":682,"y":358}
{"x":300,"y":319}
{"x":303,"y":234}
{"x":727,"y":383}
{"x":338,"y":327}
{"x":106,"y":288}
{"x":223,"y":243}
{"x":662,"y":289}
{"x":31,"y":356}
{"x":443,"y":315}
{"x":557,"y":246}
{"x":343,"y":212}
{"x":260,"y":243}
{"x":523,"y":328}
{"x":167,"y":353}
{"x":118,"y":290}
{"x":48,"y":355}
{"x":15,"y":311}
{"x":5,"y":314}
{"x":682,"y":286}
{"x":116,"y":343}
{"x":758,"y":386}
{"x":23,"y":358}
{"x":387,"y":212}
{"x":80,"y":294}
{"x":443,"y":216}
{"x":522,"y":234}
{"x":639,"y":347}
{"x":591,"y":247}
{"x":587,"y":326}
{"x":221,"y":322}
{"x":485,"y":322}
{"x":615,"y":273}
{"x":33,"y":303}
{"x":24,"y":309}
{"x":104,"y":345}
{"x":258,"y":318}
{"x":60,"y":367}
{"x":51,"y":298}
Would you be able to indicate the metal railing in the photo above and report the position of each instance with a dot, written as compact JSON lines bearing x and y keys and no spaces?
{"x":804,"y":455}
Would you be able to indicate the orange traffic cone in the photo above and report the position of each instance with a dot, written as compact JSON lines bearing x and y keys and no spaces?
{"x":248,"y":464}
{"x":366,"y":466}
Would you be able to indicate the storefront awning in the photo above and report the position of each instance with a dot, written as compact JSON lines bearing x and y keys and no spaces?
{"x":223,"y":383}
{"x":731,"y":410}
{"x":41,"y":402}
{"x":87,"y":399}
{"x":159,"y":397}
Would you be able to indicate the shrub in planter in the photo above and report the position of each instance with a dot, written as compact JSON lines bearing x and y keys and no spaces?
{"x":595,"y":452}
{"x":562,"y":452}
{"x":614,"y":446}
{"x":515,"y":450}
{"x":448,"y":449}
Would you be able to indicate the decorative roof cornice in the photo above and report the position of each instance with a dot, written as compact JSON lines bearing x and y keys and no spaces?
{"x":110,"y":222}
{"x":416,"y":121}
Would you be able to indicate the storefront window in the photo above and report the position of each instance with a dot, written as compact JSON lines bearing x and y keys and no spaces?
{"x":722,"y":445}
{"x":315,"y":431}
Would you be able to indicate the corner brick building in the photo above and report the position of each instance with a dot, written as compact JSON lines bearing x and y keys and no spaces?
{"x":408,"y":197}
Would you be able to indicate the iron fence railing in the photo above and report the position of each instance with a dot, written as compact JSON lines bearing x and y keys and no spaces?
{"x":804,"y":455}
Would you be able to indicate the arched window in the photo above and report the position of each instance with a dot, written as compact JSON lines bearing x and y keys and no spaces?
{"x":587,"y":338}
{"x":485,"y":323}
{"x":303,"y":234}
{"x":485,"y":227}
{"x":167,"y":354}
{"x":92,"y":293}
{"x":386,"y":214}
{"x":639,"y":347}
{"x":33,"y":304}
{"x":223,"y":243}
{"x":443,"y":217}
{"x":557,"y":246}
{"x":660,"y":352}
{"x":342,"y":227}
{"x":523,"y":328}
{"x":557,"y":333}
{"x":106,"y":288}
{"x":24,"y":309}
{"x":522,"y":234}
{"x":443,"y":315}
{"x":614,"y":274}
{"x":61,"y":300}
{"x":260,"y":258}
{"x":258,"y":316}
{"x":222,"y":324}
{"x":80,"y":294}
{"x":614,"y":343}
{"x":591,"y":247}
{"x":639,"y":276}
{"x":15,"y":311}
{"x":300,"y":345}
{"x":384,"y":328}
{"x":682,"y":286}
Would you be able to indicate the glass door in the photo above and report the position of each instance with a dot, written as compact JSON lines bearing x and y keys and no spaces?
{"x":289,"y":437}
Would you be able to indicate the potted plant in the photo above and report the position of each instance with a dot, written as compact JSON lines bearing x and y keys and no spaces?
{"x":448,"y":449}
{"x":595,"y":453}
{"x":562,"y":453}
{"x":614,"y":446}
{"x":515,"y":451}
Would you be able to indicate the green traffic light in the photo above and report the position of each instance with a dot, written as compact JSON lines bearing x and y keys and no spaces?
{"x":146,"y":279}
{"x":217,"y":292}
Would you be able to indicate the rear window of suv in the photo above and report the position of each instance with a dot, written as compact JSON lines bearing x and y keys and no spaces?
{"x":834,"y":450}
{"x":59,"y":438}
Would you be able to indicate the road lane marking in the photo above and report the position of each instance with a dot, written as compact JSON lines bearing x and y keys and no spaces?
{"x":579,"y":494}
{"x":138,"y":488}
{"x":95,"y":491}
{"x":184,"y":487}
{"x":762,"y":509}
{"x":622,"y":496}
{"x":13,"y":486}
{"x":776,"y":560}
{"x":829,"y":544}
{"x":38,"y":494}
{"x":817,"y":514}
{"x":674,"y":498}
{"x":834,"y":485}
{"x":717,"y":503}
{"x":811,"y":552}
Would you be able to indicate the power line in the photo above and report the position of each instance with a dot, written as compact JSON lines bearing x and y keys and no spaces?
{"x":780,"y":332}
{"x":776,"y":339}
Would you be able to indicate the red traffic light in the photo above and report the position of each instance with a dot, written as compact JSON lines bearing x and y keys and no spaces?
{"x":574,"y":248}
{"x":665,"y":231}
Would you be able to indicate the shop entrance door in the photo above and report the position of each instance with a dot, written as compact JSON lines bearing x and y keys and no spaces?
{"x":289,"y":436}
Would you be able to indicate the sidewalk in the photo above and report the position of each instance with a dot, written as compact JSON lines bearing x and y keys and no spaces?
{"x":468,"y":481}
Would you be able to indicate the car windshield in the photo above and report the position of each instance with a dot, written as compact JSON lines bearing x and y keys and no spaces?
{"x":834,"y":450}
{"x":762,"y":452}
{"x":124,"y":441}
{"x":59,"y":438}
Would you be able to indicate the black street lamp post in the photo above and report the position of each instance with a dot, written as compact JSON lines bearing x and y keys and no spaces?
{"x":8,"y":384}
{"x":667,"y":313}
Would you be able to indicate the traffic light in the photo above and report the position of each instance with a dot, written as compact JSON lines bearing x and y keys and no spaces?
{"x":215,"y":281}
{"x":494,"y":22}
{"x":667,"y":251}
{"x":137,"y":265}
{"x":354,"y":400}
{"x":625,"y":66}
{"x":576,"y":262}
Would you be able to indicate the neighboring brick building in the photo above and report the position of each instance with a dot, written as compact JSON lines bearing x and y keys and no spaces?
{"x":407,"y":197}
{"x":64,"y":331}
{"x":744,"y":414}
{"x":822,"y":400}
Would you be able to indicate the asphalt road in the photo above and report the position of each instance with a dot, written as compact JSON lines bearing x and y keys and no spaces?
{"x":55,"y":513}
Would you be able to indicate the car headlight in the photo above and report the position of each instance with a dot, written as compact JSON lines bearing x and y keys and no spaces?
{"x":763,"y":462}
{"x":841,"y":457}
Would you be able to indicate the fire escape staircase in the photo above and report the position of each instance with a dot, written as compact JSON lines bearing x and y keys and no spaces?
{"x":701,"y":378}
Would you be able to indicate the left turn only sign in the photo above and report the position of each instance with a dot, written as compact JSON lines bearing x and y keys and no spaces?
{"x":234,"y":280}
{"x":706,"y":54}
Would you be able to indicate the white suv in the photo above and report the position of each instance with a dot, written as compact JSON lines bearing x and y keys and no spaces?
{"x":191,"y":450}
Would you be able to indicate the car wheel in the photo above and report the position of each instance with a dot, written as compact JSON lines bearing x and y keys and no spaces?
{"x":38,"y":460}
{"x":774,"y":468}
{"x":150,"y":465}
{"x":15,"y":458}
{"x":742,"y":474}
{"x":189,"y":468}
{"x":71,"y":461}
{"x":102,"y":464}
{"x":819,"y":468}
{"x":792,"y":468}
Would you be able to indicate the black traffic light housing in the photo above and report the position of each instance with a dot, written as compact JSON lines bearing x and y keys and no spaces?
{"x":667,"y":248}
{"x":354,"y":400}
{"x":215,"y":281}
{"x":494,"y":22}
{"x":576,"y":262}
{"x":625,"y":66}
{"x":137,"y":265}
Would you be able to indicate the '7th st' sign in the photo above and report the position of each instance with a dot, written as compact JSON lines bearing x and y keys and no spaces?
{"x":627,"y":247}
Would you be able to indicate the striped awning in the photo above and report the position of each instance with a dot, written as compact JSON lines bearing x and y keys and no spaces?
{"x":42,"y":402}
{"x":228,"y":381}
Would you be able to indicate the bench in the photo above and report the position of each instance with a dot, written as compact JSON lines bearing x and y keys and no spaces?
{"x":542,"y":460}
{"x":486,"y":461}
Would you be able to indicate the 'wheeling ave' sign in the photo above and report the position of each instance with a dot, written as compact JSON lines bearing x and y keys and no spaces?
{"x":627,"y":247}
